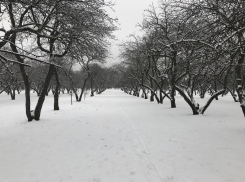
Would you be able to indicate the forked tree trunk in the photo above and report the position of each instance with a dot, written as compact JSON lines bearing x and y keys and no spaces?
{"x":76,"y":95}
{"x":214,"y":96}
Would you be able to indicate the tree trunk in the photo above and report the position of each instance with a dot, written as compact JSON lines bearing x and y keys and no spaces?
{"x":152,"y":97}
{"x":91,"y":82}
{"x":172,"y":93}
{"x":56,"y":93}
{"x":158,"y":101}
{"x":25,"y":78}
{"x":152,"y":94}
{"x":77,"y":98}
{"x":84,"y":86}
{"x":92,"y":93}
{"x":41,"y":99}
{"x":49,"y":88}
{"x":189,"y":102}
{"x":68,"y":90}
{"x":202,"y":92}
{"x":12,"y":94}
{"x":214,"y":96}
{"x":18,"y":90}
{"x":215,"y":89}
{"x":174,"y":71}
{"x":145,"y":93}
{"x":239,"y":85}
{"x":75,"y":92}
{"x":27,"y":93}
{"x":137,"y":91}
{"x":161,"y":97}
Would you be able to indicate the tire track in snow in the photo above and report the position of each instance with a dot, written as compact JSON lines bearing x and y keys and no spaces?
{"x":142,"y":152}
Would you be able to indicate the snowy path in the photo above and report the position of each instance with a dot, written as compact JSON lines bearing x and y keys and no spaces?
{"x":143,"y":153}
{"x":116,"y":137}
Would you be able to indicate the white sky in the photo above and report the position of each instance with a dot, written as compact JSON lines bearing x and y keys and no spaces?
{"x":129,"y":14}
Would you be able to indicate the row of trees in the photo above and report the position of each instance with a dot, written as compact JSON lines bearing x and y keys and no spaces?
{"x":96,"y":79}
{"x":188,"y":46}
{"x":42,"y":40}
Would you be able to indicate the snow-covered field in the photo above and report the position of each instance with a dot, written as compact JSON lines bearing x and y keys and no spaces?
{"x":115,"y":137}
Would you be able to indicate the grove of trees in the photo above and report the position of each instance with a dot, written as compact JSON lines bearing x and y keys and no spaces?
{"x":41,"y":40}
{"x":190,"y":46}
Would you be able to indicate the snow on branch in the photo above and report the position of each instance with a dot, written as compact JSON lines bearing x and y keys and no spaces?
{"x":186,"y":40}
{"x":229,"y":37}
{"x":20,"y":47}
{"x":203,"y":42}
{"x":13,"y":61}
{"x":194,"y":40}
{"x":25,"y":56}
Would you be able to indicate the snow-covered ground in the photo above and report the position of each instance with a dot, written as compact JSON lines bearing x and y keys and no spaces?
{"x":115,"y":137}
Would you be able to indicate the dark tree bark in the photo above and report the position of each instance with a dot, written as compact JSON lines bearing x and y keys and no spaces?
{"x":174,"y":71}
{"x":137,"y":91}
{"x":156,"y":97}
{"x":12,"y":94}
{"x":152,"y":93}
{"x":161,"y":97}
{"x":239,"y":85}
{"x":215,"y":89}
{"x":27,"y":93}
{"x":203,"y":91}
{"x":57,"y":88}
{"x":25,"y":79}
{"x":41,"y":99}
{"x":91,"y":83}
{"x":145,"y":93}
{"x":173,"y":104}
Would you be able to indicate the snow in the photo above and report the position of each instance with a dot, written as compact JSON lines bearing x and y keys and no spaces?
{"x":118,"y":137}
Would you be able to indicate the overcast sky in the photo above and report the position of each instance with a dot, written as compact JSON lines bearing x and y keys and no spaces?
{"x":129,"y":14}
